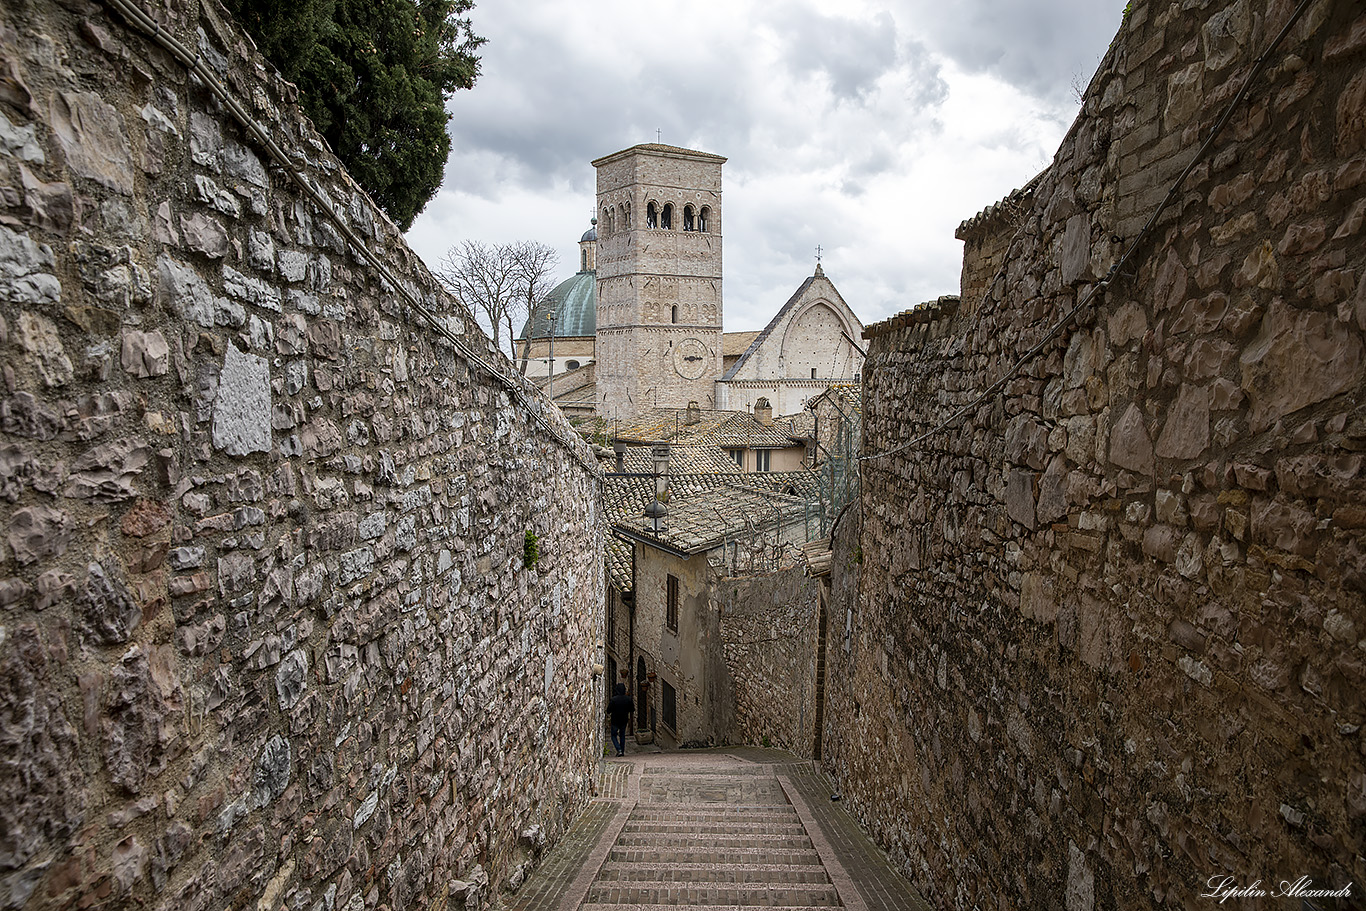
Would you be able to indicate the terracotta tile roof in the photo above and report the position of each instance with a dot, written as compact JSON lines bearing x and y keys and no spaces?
{"x":943,"y":306}
{"x":1010,"y":205}
{"x":705,"y":510}
{"x":734,"y":344}
{"x":849,"y":395}
{"x":728,"y":429}
{"x":618,"y":563}
{"x":693,"y":457}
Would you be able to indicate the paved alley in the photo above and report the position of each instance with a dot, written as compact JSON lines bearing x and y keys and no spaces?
{"x":717,"y":829}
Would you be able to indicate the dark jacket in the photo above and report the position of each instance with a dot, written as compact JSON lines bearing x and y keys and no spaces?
{"x":620,"y":707}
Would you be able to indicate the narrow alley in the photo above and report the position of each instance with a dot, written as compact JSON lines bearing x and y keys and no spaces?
{"x":730,"y":828}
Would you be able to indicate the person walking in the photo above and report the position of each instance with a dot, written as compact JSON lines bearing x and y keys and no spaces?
{"x":619,"y":710}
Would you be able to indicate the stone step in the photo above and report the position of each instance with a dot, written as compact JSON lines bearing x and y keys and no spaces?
{"x":693,"y":811}
{"x":753,"y":841}
{"x":787,"y":895}
{"x":714,"y":873}
{"x":700,"y":828}
{"x":703,"y":854}
{"x":600,"y":906}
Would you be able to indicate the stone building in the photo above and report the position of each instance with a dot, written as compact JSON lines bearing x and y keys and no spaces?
{"x":808,"y":345}
{"x":659,"y":278}
{"x":755,"y":442}
{"x":666,"y":587}
{"x":650,"y":317}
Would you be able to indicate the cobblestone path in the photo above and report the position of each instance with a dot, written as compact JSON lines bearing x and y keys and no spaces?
{"x":720,"y":830}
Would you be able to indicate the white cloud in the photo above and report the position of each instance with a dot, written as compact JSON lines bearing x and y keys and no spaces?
{"x":872,"y":131}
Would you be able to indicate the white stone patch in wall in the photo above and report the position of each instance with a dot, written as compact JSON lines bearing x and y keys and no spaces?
{"x":241,"y":410}
{"x":549,"y":675}
{"x":1081,"y":882}
{"x":365,"y":810}
{"x":20,"y":142}
{"x":23,"y":275}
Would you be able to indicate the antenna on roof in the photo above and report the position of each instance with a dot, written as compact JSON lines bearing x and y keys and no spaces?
{"x":659,"y":136}
{"x":818,"y":253}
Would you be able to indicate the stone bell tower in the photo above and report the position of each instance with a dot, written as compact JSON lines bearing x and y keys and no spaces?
{"x":659,"y":279}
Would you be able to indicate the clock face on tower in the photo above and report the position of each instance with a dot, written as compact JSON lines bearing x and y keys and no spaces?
{"x":691,"y":358}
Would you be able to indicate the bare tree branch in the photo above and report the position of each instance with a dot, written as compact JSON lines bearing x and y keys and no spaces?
{"x":498,"y":283}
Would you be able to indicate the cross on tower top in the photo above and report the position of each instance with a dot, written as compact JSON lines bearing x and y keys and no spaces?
{"x":659,"y":135}
{"x":818,"y":252}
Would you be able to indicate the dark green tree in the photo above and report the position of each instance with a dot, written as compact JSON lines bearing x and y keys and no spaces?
{"x":374,"y":76}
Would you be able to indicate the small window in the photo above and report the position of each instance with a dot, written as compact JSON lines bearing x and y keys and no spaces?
{"x":583,"y":260}
{"x":739,"y":456}
{"x":673,"y":314}
{"x":651,"y":216}
{"x":702,"y":218}
{"x":813,"y":373}
{"x":671,"y":603}
{"x":669,"y":698}
{"x":625,"y":215}
{"x":571,"y":365}
{"x":666,"y":217}
{"x":689,"y":219}
{"x":761,"y":459}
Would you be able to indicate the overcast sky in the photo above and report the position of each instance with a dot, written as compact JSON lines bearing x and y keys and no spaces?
{"x":869,"y":128}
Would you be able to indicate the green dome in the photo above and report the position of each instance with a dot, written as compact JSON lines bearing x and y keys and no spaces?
{"x":575,"y":302}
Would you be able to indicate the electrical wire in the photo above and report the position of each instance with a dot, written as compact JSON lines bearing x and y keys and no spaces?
{"x":140,"y":20}
{"x":1115,"y":270}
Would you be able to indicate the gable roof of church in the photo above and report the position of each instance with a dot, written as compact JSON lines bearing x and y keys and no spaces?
{"x":778,"y":318}
{"x":768,"y":330}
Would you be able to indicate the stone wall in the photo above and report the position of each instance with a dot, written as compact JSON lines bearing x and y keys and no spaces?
{"x":768,"y":634}
{"x":267,"y":636}
{"x":1111,"y":622}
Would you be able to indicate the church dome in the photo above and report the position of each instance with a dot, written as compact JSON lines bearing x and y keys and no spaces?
{"x":574,"y":301}
{"x":591,"y":235}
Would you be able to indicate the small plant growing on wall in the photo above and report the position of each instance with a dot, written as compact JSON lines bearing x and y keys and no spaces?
{"x":531,"y":549}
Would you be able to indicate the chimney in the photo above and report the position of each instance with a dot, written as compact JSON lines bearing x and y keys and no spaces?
{"x":694,"y":413}
{"x":763,"y":412}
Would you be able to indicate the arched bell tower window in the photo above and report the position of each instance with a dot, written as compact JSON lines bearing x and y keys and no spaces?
{"x":702,"y":218}
{"x":689,"y":219}
{"x":673,"y":314}
{"x":651,"y":216}
{"x":625,"y":216}
{"x":666,"y":218}
{"x":583,"y":260}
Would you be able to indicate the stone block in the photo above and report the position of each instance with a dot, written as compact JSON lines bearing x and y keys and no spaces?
{"x":38,"y":532}
{"x":1130,"y":445}
{"x":1299,"y":358}
{"x":241,"y":409}
{"x":1185,"y":435}
{"x":145,"y":354}
{"x":92,"y":136}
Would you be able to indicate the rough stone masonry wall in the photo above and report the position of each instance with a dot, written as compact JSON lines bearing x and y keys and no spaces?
{"x":266,"y":635}
{"x":768,"y":636}
{"x":1111,"y":625}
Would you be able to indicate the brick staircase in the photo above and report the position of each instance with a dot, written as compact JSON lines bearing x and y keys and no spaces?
{"x":696,"y":839}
